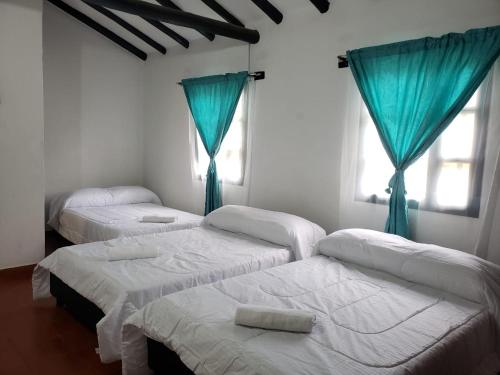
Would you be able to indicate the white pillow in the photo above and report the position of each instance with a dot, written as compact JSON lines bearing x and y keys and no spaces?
{"x":276,"y":227}
{"x":367,"y":248}
{"x":132,"y":194}
{"x":450,"y":270}
{"x":89,"y":197}
{"x":99,"y":197}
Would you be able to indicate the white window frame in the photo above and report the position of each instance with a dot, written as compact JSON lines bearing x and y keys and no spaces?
{"x":436,"y":161}
{"x":199,"y":172}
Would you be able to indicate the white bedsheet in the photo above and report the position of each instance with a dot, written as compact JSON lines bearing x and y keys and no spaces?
{"x":91,"y":224}
{"x":187,"y":258}
{"x":368,"y":322}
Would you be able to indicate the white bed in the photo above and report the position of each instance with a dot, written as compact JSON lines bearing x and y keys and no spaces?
{"x":100,"y":214}
{"x":383,"y":305}
{"x":232,"y":241}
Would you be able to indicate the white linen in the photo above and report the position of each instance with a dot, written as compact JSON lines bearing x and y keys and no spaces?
{"x":158,"y":219}
{"x":91,"y":224}
{"x":276,"y":227}
{"x":131,"y":195}
{"x":187,"y":258}
{"x":259,"y":316}
{"x":465,"y":275}
{"x":99,"y":197}
{"x":368,"y":322}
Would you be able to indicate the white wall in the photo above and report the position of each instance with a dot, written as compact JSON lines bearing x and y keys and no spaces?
{"x":93,"y":107}
{"x":21,"y":133}
{"x":301,"y":109}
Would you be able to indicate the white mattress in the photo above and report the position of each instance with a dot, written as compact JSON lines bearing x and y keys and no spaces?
{"x":187,"y":258}
{"x":368,"y":322}
{"x":91,"y":224}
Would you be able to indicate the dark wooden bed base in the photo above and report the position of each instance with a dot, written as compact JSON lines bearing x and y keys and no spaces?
{"x":161,"y":360}
{"x":81,"y":308}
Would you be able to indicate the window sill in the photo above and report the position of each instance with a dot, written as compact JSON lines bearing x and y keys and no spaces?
{"x":472,"y":213}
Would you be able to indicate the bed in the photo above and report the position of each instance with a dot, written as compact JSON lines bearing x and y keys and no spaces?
{"x":117,"y":277}
{"x":100,"y":214}
{"x":383,"y":305}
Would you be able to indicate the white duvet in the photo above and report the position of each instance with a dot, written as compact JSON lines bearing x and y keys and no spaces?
{"x":90,"y":224}
{"x":370,"y":319}
{"x":186,"y":258}
{"x":232,"y":240}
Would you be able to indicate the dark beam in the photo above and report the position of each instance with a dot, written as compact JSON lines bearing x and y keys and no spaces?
{"x":321,"y":5}
{"x":221,"y":11}
{"x":270,"y":10}
{"x":171,"y":4}
{"x":179,"y":18}
{"x":168,"y":31}
{"x":99,"y":28}
{"x":127,"y":26}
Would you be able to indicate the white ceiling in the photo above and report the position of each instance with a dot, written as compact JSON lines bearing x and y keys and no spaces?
{"x":244,"y":10}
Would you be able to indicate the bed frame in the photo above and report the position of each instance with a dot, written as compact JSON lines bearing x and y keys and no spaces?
{"x":163,"y":361}
{"x":81,"y":308}
{"x":160,"y":359}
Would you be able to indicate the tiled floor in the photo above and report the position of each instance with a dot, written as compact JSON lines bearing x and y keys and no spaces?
{"x":39,"y":338}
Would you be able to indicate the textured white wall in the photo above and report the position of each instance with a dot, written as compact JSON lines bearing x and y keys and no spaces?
{"x":21,"y":133}
{"x":93,"y":107}
{"x":301,"y":109}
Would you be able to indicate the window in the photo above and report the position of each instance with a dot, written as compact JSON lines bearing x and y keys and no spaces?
{"x":232,"y":155}
{"x":447,"y":178}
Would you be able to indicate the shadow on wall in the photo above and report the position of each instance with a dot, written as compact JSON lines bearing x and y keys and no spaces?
{"x":93,"y":98}
{"x":62,"y":104}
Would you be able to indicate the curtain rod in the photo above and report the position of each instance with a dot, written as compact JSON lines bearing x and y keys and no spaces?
{"x":343,"y":63}
{"x":257,"y":76}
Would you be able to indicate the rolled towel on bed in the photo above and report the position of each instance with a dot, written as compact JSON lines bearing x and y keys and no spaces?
{"x":158,"y":219}
{"x":131,"y":252}
{"x":272,"y":318}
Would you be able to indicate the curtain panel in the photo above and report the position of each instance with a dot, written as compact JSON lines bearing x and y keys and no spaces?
{"x":413,"y":91}
{"x":212,"y":101}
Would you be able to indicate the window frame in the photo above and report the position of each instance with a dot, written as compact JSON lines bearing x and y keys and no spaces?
{"x":244,"y":152}
{"x":436,"y":161}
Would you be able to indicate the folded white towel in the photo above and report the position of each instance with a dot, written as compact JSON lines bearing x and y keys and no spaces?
{"x":158,"y":219}
{"x":272,"y":318}
{"x":130,"y":252}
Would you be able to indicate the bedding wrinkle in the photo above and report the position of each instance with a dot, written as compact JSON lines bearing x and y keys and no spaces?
{"x":420,"y":330}
{"x":90,"y":224}
{"x":187,"y":258}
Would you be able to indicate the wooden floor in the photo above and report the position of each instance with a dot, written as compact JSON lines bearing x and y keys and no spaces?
{"x":40,"y":338}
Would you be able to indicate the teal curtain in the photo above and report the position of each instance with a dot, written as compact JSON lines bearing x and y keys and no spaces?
{"x":413,"y":90}
{"x":213,"y":101}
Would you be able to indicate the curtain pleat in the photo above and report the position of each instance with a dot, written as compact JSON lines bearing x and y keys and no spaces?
{"x":212,"y":101}
{"x":413,"y":91}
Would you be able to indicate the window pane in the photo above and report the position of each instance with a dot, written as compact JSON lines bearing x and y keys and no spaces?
{"x":453,"y":185}
{"x":457,"y":140}
{"x":416,"y":179}
{"x":378,"y":169}
{"x":230,"y":157}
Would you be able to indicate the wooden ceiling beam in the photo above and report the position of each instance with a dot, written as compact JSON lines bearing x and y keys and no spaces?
{"x":270,"y":10}
{"x":83,"y":18}
{"x":180,"y":18}
{"x":223,"y":12}
{"x":321,"y":5}
{"x":171,"y":4}
{"x":168,"y":31}
{"x":127,"y":26}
